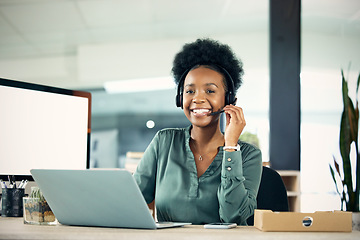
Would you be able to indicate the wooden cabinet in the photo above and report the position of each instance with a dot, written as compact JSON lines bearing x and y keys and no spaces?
{"x":291,"y":180}
{"x":132,"y":160}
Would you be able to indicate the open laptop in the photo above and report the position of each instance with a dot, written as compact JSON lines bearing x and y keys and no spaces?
{"x":101,"y":198}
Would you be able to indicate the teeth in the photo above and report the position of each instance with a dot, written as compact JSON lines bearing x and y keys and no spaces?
{"x":201,"y":110}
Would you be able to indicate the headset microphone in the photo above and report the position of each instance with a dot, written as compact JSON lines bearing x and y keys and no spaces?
{"x":218,"y":112}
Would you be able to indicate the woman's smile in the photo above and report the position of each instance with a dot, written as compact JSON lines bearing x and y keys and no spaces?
{"x":200,"y":112}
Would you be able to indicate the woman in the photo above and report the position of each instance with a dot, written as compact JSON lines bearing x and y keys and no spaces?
{"x":199,"y":174}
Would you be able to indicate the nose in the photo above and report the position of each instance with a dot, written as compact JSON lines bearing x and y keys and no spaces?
{"x":199,"y":97}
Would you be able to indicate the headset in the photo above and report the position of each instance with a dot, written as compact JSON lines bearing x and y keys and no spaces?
{"x":229,"y":96}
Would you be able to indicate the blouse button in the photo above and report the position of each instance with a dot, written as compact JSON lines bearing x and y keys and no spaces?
{"x":228,"y":168}
{"x":229,"y":159}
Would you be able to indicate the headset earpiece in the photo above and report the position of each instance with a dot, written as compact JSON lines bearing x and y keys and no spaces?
{"x":229,"y":98}
{"x":179,"y":95}
{"x":179,"y":100}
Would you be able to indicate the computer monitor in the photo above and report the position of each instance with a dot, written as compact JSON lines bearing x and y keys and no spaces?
{"x":42,"y":127}
{"x":104,"y":149}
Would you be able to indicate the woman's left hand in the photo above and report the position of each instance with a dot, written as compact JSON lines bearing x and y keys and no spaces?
{"x":235,"y":124}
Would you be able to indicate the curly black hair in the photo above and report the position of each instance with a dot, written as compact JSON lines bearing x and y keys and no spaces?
{"x":208,"y":52}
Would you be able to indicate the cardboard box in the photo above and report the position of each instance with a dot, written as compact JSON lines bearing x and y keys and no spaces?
{"x":332,"y":221}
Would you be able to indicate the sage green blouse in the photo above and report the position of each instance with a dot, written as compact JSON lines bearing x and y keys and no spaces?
{"x":226,"y":192}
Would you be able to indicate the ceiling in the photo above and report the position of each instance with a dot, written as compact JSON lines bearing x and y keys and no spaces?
{"x":34,"y":29}
{"x":51,"y":27}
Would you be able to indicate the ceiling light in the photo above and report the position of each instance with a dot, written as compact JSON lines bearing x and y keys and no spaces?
{"x":150,"y":124}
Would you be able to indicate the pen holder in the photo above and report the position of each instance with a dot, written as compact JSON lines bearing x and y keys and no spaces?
{"x":12,"y":204}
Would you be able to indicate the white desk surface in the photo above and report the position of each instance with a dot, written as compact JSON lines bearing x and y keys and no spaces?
{"x":14,"y":228}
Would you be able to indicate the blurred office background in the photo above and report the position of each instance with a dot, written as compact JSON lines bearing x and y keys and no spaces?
{"x":114,"y":48}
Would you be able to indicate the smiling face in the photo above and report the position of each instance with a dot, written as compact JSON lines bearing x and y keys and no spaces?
{"x":203,"y":93}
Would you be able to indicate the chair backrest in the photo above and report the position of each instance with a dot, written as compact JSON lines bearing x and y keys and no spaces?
{"x":272,"y":193}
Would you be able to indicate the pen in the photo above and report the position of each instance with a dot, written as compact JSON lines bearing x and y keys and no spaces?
{"x":25,"y":182}
{"x":3,"y":184}
{"x":12,"y":182}
{"x":21,"y":183}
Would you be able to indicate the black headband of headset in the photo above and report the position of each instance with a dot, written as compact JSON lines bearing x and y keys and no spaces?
{"x":229,"y":82}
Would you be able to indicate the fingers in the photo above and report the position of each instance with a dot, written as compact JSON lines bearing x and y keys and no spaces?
{"x":235,"y":123}
{"x":234,"y":115}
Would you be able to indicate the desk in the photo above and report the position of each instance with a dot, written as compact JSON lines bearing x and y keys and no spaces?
{"x":13,"y":228}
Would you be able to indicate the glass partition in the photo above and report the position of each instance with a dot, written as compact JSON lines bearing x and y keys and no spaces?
{"x":330,"y":43}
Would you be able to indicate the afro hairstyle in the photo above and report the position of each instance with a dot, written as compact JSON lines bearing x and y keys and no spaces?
{"x":207,"y":52}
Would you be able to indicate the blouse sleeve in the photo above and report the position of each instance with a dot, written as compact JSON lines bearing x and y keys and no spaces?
{"x":240,"y":180}
{"x":145,"y":174}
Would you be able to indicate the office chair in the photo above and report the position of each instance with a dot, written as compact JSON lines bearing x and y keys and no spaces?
{"x":272,"y":193}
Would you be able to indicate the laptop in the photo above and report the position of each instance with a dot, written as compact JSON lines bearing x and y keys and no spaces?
{"x":99,"y":198}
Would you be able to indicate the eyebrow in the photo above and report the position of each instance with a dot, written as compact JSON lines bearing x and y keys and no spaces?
{"x":212,"y":84}
{"x":207,"y":84}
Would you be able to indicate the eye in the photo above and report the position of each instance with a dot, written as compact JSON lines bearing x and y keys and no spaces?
{"x":210,"y":91}
{"x":189,"y":91}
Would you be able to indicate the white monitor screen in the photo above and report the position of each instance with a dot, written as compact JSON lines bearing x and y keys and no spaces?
{"x":42,"y":127}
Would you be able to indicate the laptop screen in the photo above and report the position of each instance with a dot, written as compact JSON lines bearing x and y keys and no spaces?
{"x":42,"y":127}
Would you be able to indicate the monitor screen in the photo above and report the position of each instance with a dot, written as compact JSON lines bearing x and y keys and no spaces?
{"x":42,"y":127}
{"x":104,"y":149}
